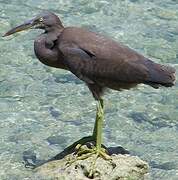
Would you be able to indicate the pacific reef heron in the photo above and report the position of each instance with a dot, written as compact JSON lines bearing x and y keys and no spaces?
{"x":98,"y":61}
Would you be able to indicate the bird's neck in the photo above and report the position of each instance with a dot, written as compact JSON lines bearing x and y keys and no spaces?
{"x":46,"y":50}
{"x":55,"y":30}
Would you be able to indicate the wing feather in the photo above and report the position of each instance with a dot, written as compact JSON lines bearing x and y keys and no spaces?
{"x":91,"y":68}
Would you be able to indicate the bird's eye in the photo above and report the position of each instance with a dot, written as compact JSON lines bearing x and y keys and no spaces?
{"x":41,"y":19}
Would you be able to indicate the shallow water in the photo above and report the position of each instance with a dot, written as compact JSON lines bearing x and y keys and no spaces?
{"x":42,"y":110}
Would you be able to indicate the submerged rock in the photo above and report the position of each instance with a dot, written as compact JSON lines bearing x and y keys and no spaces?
{"x":124,"y":167}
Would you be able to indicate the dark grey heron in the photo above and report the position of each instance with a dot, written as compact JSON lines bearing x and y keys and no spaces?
{"x":98,"y":61}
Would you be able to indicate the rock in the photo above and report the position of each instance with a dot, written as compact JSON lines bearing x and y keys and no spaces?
{"x":123,"y":167}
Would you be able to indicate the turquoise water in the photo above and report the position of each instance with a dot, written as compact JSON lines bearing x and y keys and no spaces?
{"x":42,"y":110}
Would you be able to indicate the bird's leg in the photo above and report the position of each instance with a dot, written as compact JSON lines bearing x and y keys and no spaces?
{"x":96,"y":137}
{"x":97,"y":133}
{"x":99,"y":124}
{"x":93,"y":138}
{"x":84,"y":152}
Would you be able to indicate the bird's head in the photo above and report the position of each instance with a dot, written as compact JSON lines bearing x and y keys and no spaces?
{"x":47,"y":21}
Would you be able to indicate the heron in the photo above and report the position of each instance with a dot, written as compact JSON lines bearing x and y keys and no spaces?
{"x":101,"y":62}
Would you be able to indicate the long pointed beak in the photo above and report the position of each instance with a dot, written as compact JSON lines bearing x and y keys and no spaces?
{"x":27,"y":25}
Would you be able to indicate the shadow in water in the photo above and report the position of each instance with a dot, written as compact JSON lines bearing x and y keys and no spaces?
{"x":31,"y":161}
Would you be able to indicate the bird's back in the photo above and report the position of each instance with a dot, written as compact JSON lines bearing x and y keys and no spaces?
{"x":101,"y":46}
{"x":112,"y":63}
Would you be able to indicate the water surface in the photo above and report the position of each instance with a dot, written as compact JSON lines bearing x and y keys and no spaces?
{"x":42,"y":110}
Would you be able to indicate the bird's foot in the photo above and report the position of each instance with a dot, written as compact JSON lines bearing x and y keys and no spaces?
{"x":72,"y":148}
{"x":84,"y":152}
{"x":76,"y":145}
{"x":85,"y":149}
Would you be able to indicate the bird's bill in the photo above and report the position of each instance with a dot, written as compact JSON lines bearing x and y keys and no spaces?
{"x":27,"y":25}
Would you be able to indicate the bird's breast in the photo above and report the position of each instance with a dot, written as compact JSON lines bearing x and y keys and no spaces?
{"x":47,"y":56}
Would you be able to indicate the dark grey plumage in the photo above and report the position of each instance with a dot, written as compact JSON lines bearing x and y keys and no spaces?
{"x":97,"y":60}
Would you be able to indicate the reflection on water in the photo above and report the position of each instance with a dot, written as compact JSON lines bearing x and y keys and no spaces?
{"x":42,"y":110}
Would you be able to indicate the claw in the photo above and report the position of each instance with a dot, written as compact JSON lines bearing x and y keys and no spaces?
{"x":78,"y":146}
{"x":83,"y":152}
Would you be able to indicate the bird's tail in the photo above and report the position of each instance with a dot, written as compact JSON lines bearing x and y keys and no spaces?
{"x":160,"y":75}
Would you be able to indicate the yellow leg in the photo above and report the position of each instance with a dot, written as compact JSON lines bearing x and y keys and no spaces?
{"x":83,"y":151}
